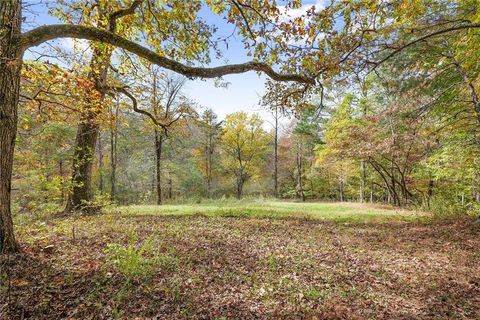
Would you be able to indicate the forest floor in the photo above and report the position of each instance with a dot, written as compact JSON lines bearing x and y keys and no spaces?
{"x":244,"y":260}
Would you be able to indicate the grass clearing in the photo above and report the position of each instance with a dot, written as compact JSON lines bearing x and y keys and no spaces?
{"x":337,"y":212}
{"x":244,"y":260}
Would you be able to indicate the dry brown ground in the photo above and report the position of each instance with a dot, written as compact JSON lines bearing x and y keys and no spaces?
{"x":241,"y":268}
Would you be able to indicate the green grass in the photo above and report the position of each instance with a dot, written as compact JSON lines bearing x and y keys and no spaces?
{"x":337,"y":212}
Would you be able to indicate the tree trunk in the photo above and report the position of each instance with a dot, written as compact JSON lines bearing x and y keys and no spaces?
{"x":299,"y":176}
{"x":208,"y":164}
{"x":62,"y":183}
{"x":158,"y":161}
{"x":275,"y":163}
{"x":81,"y":196}
{"x":100,"y":163}
{"x":113,"y":163}
{"x":10,"y":68}
{"x":113,"y":151}
{"x":388,"y":193}
{"x":170,"y":188}
{"x":396,"y":198}
{"x":476,"y":180}
{"x":340,"y":189}
{"x":431,"y":185}
{"x":362,"y":181}
{"x":239,"y":187}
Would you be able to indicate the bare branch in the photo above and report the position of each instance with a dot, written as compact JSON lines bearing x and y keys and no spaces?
{"x":134,"y":103}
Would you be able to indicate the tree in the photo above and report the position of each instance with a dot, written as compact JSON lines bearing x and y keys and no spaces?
{"x":106,"y":18}
{"x":306,"y":135}
{"x":210,"y":129}
{"x":113,"y":147}
{"x":169,"y":108}
{"x":329,"y":157}
{"x":245,"y":143}
{"x":10,"y":68}
{"x":13,"y":45}
{"x":275,"y":153}
{"x":50,"y":93}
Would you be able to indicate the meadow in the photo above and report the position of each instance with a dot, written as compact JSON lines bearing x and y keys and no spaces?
{"x":268,"y":208}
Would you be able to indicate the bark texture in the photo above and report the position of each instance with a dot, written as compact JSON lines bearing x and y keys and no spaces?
{"x":10,"y":68}
{"x":239,"y":185}
{"x":81,"y":196}
{"x":300,"y":189}
{"x":113,"y":150}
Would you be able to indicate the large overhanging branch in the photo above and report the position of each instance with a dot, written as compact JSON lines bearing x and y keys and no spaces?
{"x":45,"y":33}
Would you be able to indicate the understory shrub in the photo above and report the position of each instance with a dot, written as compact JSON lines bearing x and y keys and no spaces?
{"x":134,"y":262}
{"x":139,"y":261}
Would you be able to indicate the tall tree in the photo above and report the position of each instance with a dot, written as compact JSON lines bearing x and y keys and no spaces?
{"x":275,"y":154}
{"x":114,"y":112}
{"x":169,"y":107}
{"x":306,"y":135}
{"x":10,"y":66}
{"x":106,"y":17}
{"x":245,"y":143}
{"x":209,"y":128}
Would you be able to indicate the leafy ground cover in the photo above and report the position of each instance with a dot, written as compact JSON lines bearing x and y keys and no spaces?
{"x":244,"y":260}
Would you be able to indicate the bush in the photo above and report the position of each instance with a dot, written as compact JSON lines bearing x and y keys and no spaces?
{"x":443,"y":207}
{"x":139,"y":262}
{"x":133,"y":262}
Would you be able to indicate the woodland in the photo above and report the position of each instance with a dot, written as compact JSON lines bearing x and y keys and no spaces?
{"x":353,"y":193}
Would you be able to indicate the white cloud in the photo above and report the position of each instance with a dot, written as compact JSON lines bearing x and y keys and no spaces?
{"x":287,"y":14}
{"x":71,"y":45}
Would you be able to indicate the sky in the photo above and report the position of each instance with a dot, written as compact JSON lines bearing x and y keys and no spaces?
{"x":243,"y":92}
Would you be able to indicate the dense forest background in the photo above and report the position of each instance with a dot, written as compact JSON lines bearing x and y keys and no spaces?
{"x":407,"y":135}
{"x":387,"y":110}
